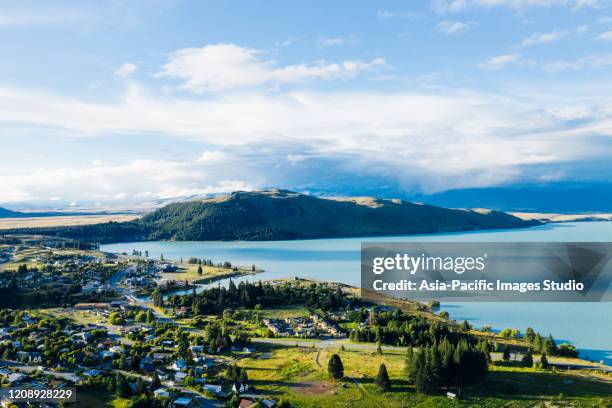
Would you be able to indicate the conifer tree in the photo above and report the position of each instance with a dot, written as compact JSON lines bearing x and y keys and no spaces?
{"x":335,"y":367}
{"x":544,"y":361}
{"x":506,"y":355}
{"x":382,"y":378}
{"x":527,"y":360}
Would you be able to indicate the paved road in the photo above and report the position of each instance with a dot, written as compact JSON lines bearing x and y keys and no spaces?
{"x":68,"y":376}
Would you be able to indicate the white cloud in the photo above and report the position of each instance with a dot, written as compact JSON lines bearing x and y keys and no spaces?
{"x":589,"y":62}
{"x":455,"y":27}
{"x":389,"y":14}
{"x":446,"y":6}
{"x":225,"y":66}
{"x":296,"y":158}
{"x":552,"y":36}
{"x":607,"y":36}
{"x":211,"y":156}
{"x":126,"y":69}
{"x":134,"y":181}
{"x":505,"y":60}
{"x":438,"y":139}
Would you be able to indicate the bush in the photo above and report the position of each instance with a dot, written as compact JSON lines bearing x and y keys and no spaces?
{"x":335,"y":368}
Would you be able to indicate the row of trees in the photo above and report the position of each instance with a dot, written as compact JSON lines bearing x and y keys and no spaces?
{"x":444,"y":364}
{"x":406,"y":330}
{"x":249,"y":295}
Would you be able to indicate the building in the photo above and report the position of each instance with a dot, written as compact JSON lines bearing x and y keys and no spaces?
{"x":183,"y":402}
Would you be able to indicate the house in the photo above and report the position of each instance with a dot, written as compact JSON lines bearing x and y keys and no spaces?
{"x":116,"y":349}
{"x":238,"y":388}
{"x":167,"y":267}
{"x":245,"y":403}
{"x":179,"y":365}
{"x":35,"y":357}
{"x":197,"y":349}
{"x":162,"y":393}
{"x":73,"y":378}
{"x":92,"y":373}
{"x":213,"y":388}
{"x":146,"y":364}
{"x":268,"y":403}
{"x":15,"y":378}
{"x":203,"y":362}
{"x":182,"y":402}
{"x":23,"y":356}
{"x":160,"y":357}
{"x":182,"y":311}
{"x":180,"y":377}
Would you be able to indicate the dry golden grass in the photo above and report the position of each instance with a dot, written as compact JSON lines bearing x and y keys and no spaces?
{"x":62,"y":221}
{"x":563,"y":217}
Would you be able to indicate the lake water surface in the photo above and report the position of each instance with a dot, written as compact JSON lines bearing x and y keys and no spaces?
{"x":586,"y":325}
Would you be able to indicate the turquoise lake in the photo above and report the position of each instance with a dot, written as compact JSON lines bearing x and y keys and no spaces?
{"x":586,"y":325}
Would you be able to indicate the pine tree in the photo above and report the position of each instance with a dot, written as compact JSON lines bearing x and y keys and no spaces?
{"x":382,"y":378}
{"x":506,"y":355}
{"x":410,"y":365}
{"x":527,"y":360}
{"x":544,"y":361}
{"x":550,"y":346}
{"x":335,"y":367}
{"x":150,"y":317}
{"x":424,"y":383}
{"x":435,"y":364}
{"x":537,"y":343}
{"x":122,"y":387}
{"x":155,"y":382}
{"x":200,"y":270}
{"x":529,"y":335}
{"x":158,"y":297}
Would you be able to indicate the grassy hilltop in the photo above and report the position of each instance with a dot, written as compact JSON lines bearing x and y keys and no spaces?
{"x":281,"y":214}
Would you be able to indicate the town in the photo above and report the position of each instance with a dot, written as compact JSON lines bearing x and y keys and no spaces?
{"x":132,"y":331}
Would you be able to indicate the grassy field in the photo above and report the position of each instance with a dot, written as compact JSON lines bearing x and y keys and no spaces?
{"x":299,"y":375}
{"x":63,"y":221}
{"x":189,"y":272}
{"x":32,"y":256}
{"x":98,"y":399}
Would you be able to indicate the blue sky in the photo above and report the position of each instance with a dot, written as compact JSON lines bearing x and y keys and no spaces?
{"x":129,"y":101}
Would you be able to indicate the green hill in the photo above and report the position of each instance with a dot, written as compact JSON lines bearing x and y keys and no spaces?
{"x":281,"y":214}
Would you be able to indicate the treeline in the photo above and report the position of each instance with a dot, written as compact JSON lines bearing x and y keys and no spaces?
{"x":139,"y":391}
{"x":444,"y":364}
{"x":399,"y":329}
{"x":252,"y":295}
{"x":547,"y":345}
{"x":209,"y":262}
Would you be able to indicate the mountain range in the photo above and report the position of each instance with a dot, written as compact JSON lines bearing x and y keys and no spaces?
{"x":283,"y":215}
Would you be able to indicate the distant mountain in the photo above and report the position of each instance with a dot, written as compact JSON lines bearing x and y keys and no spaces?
{"x":4,"y":213}
{"x":566,"y":198}
{"x":281,"y":214}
